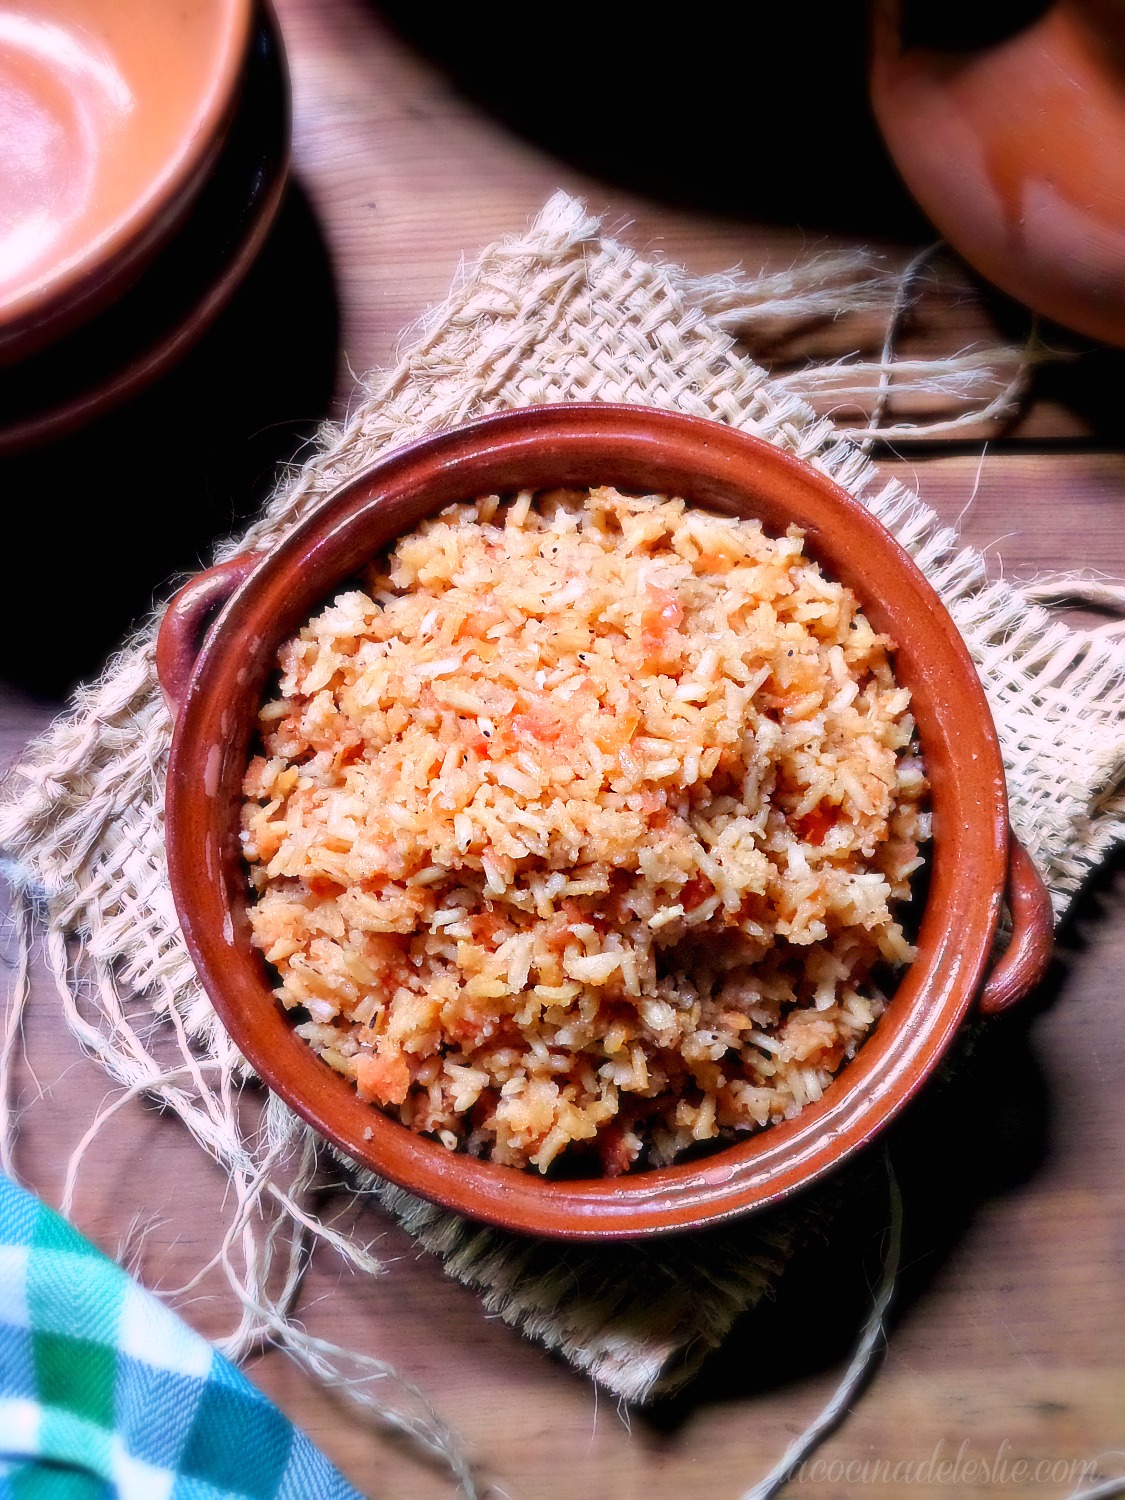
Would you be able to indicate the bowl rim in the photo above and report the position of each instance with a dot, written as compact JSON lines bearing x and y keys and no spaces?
{"x":968,"y":855}
{"x":63,"y":294}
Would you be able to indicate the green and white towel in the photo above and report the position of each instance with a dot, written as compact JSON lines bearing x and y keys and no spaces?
{"x":105,"y":1393}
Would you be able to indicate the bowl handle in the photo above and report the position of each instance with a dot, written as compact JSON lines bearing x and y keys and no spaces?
{"x":1028,"y":954}
{"x":186,"y":621}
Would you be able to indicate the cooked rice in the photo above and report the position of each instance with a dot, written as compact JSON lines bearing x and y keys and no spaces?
{"x":585,"y":823}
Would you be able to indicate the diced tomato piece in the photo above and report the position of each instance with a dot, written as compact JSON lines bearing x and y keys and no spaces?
{"x":695,"y":892}
{"x":664,"y":607}
{"x":543,"y":726}
{"x":616,"y":1154}
{"x":487,"y":926}
{"x":813,"y":828}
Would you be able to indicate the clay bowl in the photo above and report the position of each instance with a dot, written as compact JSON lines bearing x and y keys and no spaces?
{"x":974,"y":861}
{"x":1012,"y":139}
{"x":111,"y":115}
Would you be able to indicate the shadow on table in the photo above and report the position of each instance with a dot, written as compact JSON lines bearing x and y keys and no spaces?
{"x":97,"y":522}
{"x":1088,"y":382}
{"x":1077,"y":373}
{"x":746,"y":112}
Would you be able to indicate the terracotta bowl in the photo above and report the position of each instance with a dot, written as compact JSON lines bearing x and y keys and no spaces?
{"x":111,"y":114}
{"x":974,"y":861}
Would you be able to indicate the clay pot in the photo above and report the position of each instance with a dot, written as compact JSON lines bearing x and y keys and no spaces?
{"x":111,"y":115}
{"x":974,"y":862}
{"x":1013,"y":142}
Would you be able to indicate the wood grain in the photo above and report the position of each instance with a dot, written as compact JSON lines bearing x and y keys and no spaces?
{"x":1008,"y":1330}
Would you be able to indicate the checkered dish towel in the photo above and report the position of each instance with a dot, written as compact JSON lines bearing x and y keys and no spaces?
{"x":104,"y":1392}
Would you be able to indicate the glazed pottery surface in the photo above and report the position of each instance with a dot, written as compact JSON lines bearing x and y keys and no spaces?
{"x":176,"y":297}
{"x":1015,"y":148}
{"x":110,"y":114}
{"x":216,"y":698}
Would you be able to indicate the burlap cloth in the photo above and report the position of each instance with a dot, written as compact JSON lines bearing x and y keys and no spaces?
{"x":559,"y":314}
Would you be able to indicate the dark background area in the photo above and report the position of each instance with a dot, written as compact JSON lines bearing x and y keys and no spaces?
{"x":727,"y":117}
{"x":97,"y":522}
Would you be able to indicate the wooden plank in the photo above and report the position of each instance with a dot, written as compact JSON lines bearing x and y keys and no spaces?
{"x":1008,"y":1327}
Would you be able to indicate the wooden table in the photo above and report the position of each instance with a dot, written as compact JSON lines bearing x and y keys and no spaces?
{"x":1008,"y":1335}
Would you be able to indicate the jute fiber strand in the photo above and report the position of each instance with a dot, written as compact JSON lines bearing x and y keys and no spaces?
{"x":559,"y":314}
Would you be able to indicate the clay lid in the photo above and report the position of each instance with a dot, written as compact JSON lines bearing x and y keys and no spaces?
{"x":110,"y":114}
